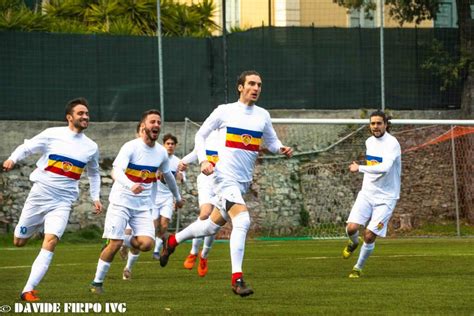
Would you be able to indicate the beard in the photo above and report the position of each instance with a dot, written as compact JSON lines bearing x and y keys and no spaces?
{"x":150,"y":134}
{"x":78,"y":124}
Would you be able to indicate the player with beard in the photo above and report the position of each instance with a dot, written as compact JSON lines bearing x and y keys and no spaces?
{"x":133,"y":194}
{"x":66,"y":153}
{"x":380,"y":191}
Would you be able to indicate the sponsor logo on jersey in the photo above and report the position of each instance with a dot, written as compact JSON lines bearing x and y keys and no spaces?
{"x":373,"y":160}
{"x":212,"y":156}
{"x":243,"y":139}
{"x":141,"y":174}
{"x":65,"y":166}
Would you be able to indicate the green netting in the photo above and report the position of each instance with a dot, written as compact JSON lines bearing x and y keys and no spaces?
{"x":302,"y":68}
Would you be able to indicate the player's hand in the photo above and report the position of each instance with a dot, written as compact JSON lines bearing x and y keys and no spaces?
{"x":8,"y":165}
{"x":207,"y":168}
{"x":98,"y":207}
{"x":287,"y":151}
{"x":182,"y":166}
{"x":179,"y":204}
{"x":354,"y":167}
{"x":137,"y":188}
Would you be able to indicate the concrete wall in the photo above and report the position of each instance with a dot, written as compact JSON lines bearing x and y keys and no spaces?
{"x":314,"y":183}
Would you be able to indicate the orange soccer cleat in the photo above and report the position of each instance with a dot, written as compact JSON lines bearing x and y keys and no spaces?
{"x":202,"y":267}
{"x":30,"y":296}
{"x":190,"y":261}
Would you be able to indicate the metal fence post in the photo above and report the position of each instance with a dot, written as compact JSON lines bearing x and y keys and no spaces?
{"x":455,"y":178}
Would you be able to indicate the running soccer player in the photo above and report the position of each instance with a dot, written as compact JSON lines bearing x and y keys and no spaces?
{"x":380,"y":191}
{"x":246,"y":125}
{"x":131,"y":199}
{"x":66,"y":153}
{"x":163,"y":208}
{"x":205,"y":195}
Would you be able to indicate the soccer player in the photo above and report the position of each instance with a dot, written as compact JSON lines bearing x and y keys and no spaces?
{"x":245,"y":125}
{"x":66,"y":153}
{"x":163,"y":208}
{"x":379,"y":194}
{"x":134,"y":190}
{"x":205,"y":195}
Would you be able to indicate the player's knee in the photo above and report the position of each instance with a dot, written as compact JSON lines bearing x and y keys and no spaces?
{"x":146,"y":244}
{"x":19,"y":242}
{"x":241,"y":221}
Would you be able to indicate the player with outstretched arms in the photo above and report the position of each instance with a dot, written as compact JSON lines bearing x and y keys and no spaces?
{"x":246,"y":126}
{"x":66,"y":153}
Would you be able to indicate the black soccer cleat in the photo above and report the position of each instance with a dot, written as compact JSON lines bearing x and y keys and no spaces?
{"x":240,"y":288}
{"x":166,"y":251}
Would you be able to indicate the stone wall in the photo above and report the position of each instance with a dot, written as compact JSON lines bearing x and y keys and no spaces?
{"x":315,"y":182}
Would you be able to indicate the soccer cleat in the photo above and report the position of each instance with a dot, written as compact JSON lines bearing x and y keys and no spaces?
{"x":96,"y":288}
{"x":190,"y":261}
{"x":240,"y":288}
{"x":127,"y":274}
{"x":350,"y":248}
{"x":202,"y":267}
{"x":156,"y":255}
{"x":166,"y":251}
{"x":30,"y":296}
{"x":123,"y":252}
{"x":355,"y":273}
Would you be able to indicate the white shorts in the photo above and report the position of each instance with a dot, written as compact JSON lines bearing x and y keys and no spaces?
{"x":228,"y":190}
{"x":205,"y":186}
{"x":118,"y":217}
{"x":372,"y":214}
{"x":163,"y":207}
{"x":42,"y":208}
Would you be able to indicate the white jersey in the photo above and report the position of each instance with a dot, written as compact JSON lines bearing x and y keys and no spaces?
{"x":382,"y":174}
{"x":137,"y":163}
{"x":65,"y":155}
{"x":212,"y":144}
{"x":245,"y":128}
{"x":163,"y":191}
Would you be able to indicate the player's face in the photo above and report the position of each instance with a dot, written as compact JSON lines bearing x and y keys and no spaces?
{"x":79,"y":118}
{"x":250,"y":91}
{"x":152,"y":126}
{"x":377,"y":126}
{"x":170,"y":146}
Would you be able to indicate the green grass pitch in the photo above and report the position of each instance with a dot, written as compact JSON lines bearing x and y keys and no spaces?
{"x":306,"y":277}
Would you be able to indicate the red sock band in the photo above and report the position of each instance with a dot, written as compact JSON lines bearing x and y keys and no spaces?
{"x":235,"y":276}
{"x":172,"y":241}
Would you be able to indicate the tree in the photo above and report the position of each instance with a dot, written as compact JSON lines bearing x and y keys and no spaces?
{"x":127,"y":17}
{"x":449,"y":70}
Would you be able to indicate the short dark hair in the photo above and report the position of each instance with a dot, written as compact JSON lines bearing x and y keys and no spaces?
{"x":241,"y":78}
{"x":73,"y":103}
{"x":385,"y":117}
{"x":170,"y":136}
{"x":146,"y":113}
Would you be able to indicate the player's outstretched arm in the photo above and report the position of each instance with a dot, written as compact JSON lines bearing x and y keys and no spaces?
{"x":8,"y":165}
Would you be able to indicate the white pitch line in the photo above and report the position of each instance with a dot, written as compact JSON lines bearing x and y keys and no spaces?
{"x":257,"y":259}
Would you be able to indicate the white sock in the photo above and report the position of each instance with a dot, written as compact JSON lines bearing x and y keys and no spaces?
{"x":208,"y":240}
{"x":131,"y":260}
{"x":354,"y":238}
{"x":195,"y":247}
{"x":240,"y":227}
{"x":102,"y":269}
{"x":158,"y":244}
{"x":198,"y":228}
{"x":127,"y":241}
{"x":365,"y":251}
{"x":38,"y":269}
